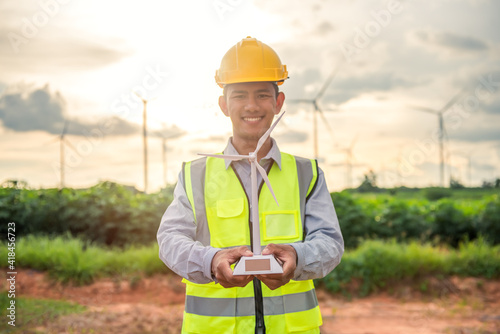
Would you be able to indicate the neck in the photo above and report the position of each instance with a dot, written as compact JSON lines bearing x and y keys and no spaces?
{"x":245,"y":147}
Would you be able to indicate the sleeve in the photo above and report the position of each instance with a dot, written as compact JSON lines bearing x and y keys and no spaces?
{"x":323,"y":245}
{"x":178,"y":247}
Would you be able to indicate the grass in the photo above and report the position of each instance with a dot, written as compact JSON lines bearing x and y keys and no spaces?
{"x":374,"y":264}
{"x":73,"y":260}
{"x":377,"y":264}
{"x":34,"y":312}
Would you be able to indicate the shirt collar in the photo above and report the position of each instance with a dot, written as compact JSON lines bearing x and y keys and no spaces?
{"x":273,"y":154}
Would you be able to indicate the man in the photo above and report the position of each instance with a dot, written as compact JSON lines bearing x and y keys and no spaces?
{"x":207,"y":227}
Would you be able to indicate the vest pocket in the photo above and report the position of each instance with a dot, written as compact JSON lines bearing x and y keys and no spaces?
{"x":229,"y":227}
{"x":280,"y":226}
{"x":230,"y":208}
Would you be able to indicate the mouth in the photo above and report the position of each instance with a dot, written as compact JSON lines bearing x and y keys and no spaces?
{"x":252,"y":119}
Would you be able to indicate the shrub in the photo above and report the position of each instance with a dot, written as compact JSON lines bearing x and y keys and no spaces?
{"x":402,"y":221}
{"x":489,"y":221}
{"x":434,"y":194}
{"x":376,"y":264}
{"x":451,"y":225}
{"x":107,"y":213}
{"x":355,"y":224}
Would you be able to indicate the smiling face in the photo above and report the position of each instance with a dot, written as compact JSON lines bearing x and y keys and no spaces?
{"x":251,"y":107}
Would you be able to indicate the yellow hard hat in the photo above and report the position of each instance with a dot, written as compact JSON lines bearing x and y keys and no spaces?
{"x":250,"y":60}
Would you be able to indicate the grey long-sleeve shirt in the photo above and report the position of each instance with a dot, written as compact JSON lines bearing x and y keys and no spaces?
{"x":317,"y":255}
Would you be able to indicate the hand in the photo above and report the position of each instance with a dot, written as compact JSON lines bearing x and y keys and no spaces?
{"x":285,"y":254}
{"x":221,"y":267}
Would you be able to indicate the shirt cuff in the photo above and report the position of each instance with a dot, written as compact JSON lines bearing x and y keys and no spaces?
{"x":207,"y":263}
{"x":300,"y":259}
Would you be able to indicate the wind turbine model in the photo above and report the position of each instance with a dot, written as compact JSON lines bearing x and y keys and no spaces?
{"x":318,"y":110}
{"x":442,"y":130}
{"x":258,"y":263}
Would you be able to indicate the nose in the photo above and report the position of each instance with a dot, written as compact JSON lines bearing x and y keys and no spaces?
{"x":251,"y":104}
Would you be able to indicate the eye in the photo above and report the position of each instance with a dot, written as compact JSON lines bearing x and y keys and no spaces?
{"x":264,"y":96}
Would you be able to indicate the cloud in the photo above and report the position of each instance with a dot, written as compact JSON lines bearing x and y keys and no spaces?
{"x":324,"y":28}
{"x":291,"y":136}
{"x":29,"y":46}
{"x":40,"y":110}
{"x":477,"y":134}
{"x":450,"y":40}
{"x":493,"y":108}
{"x":58,"y":53}
{"x":173,"y":132}
{"x":342,"y":90}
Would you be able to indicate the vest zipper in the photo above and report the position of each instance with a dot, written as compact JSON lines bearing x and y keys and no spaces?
{"x":260,"y":327}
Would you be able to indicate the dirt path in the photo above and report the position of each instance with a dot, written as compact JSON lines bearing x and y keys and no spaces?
{"x":155,"y":305}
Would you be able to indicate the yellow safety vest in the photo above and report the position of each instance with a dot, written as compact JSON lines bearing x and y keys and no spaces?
{"x":224,"y":215}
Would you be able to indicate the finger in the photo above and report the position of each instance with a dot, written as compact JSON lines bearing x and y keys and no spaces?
{"x":242,"y":251}
{"x":269,"y":249}
{"x":240,"y":281}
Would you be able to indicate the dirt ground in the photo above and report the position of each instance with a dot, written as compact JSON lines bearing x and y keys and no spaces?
{"x":155,"y":305}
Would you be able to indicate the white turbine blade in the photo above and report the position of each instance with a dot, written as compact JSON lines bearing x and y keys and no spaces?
{"x":262,"y":172}
{"x":453,"y":100}
{"x":228,"y":156}
{"x":263,"y":139}
{"x":68,"y":143}
{"x":325,"y":121}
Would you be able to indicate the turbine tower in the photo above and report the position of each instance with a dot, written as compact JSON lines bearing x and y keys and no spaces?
{"x":63,"y":141}
{"x":144,"y":139}
{"x":317,"y":109}
{"x":349,"y":158}
{"x":442,"y":130}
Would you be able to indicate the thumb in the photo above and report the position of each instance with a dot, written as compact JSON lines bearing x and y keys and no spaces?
{"x":268,"y":250}
{"x":244,"y":251}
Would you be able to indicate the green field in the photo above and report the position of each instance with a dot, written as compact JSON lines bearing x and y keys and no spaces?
{"x":374,"y":263}
{"x":79,"y":235}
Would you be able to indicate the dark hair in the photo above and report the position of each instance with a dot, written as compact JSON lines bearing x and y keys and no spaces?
{"x":275,"y":85}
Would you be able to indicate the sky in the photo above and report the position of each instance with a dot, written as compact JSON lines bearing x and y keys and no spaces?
{"x":75,"y":66}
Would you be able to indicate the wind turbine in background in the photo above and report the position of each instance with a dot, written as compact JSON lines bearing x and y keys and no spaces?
{"x":442,"y":129}
{"x":167,"y":134}
{"x":63,"y":142}
{"x":317,"y":110}
{"x":349,"y":162}
{"x":144,"y":139}
{"x":349,"y":158}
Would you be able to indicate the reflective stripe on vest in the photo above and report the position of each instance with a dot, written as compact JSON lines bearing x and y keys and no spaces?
{"x":225,"y":307}
{"x":210,"y":307}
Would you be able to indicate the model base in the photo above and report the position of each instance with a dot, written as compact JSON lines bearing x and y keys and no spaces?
{"x":258,"y":264}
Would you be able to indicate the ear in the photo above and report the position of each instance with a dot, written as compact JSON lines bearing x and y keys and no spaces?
{"x":223,"y":105}
{"x":280,"y":100}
